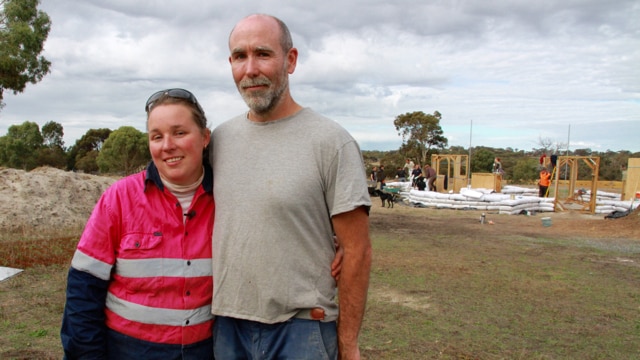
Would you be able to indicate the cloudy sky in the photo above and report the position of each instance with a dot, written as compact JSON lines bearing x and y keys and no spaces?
{"x":503,"y":73}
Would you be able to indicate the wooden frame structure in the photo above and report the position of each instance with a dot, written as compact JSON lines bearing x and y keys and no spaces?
{"x":454,"y":171}
{"x":572,"y":162}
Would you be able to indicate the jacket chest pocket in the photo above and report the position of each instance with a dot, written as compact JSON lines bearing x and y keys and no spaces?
{"x":140,"y":264}
{"x":142,"y":242}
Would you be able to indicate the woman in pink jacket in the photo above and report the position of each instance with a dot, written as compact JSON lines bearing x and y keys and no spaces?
{"x":140,"y":282}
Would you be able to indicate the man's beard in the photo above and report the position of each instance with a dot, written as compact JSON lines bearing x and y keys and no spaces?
{"x":262,"y":101}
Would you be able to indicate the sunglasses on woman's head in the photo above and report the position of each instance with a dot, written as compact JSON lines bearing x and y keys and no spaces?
{"x":174,"y":93}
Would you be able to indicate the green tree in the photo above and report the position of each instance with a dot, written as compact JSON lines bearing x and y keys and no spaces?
{"x":124,"y":151}
{"x":412,"y":149}
{"x":525,"y":171}
{"x":52,"y":152}
{"x":612,"y":164}
{"x":83,"y":154}
{"x":23,"y":31}
{"x":482,"y":160}
{"x":88,"y":162}
{"x":458,"y":150}
{"x":53,"y":156}
{"x":19,"y":148}
{"x":391,"y":161}
{"x":420,"y":133}
{"x":52,"y":134}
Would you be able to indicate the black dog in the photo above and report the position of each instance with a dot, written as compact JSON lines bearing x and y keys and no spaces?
{"x":390,"y":198}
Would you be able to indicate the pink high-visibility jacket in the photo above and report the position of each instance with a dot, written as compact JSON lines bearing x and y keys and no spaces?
{"x":158,"y":268}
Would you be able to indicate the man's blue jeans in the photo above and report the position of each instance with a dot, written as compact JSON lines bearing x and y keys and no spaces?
{"x":292,"y":339}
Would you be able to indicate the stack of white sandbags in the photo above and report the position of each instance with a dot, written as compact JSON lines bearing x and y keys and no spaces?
{"x":606,"y":202}
{"x":513,"y":200}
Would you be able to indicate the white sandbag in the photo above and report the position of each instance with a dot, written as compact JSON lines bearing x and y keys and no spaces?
{"x":616,"y":203}
{"x":444,"y":206}
{"x":607,"y":208}
{"x":460,"y":207}
{"x":523,"y":200}
{"x":548,"y":207}
{"x":471,"y":193}
{"x":495,"y":197}
{"x":441,"y":196}
{"x":525,"y":206}
{"x":428,"y":194}
{"x":457,"y":197}
{"x":419,"y":194}
{"x":474,"y":203}
{"x":517,"y":189}
{"x":605,"y":194}
{"x":603,"y":211}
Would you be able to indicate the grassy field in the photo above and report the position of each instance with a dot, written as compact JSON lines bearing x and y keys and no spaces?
{"x":441,"y":288}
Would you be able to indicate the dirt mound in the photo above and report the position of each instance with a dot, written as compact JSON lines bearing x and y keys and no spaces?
{"x":633,"y":219}
{"x":46,"y":198}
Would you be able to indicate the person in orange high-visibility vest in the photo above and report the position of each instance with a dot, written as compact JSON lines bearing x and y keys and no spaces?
{"x":545,"y":181}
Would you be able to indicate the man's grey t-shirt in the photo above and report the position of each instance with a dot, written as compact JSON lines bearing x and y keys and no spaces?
{"x":272,"y":238}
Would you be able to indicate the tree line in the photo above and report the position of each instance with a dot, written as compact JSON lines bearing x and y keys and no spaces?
{"x":122,"y":151}
{"x":125,"y":150}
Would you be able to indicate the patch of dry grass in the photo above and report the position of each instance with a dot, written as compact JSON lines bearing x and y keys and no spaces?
{"x":28,"y":253}
{"x":31,"y":303}
{"x":458,"y":293}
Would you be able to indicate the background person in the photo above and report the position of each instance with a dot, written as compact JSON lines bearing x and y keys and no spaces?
{"x":497,"y":166}
{"x":417,"y":172}
{"x":140,"y":283}
{"x":408,"y":167}
{"x":544,"y":182}
{"x":430,"y":175}
{"x":374,"y":174}
{"x":381,"y":177}
{"x":262,"y":310}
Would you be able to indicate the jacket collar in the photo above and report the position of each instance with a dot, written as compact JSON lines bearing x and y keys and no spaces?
{"x":153,"y":176}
